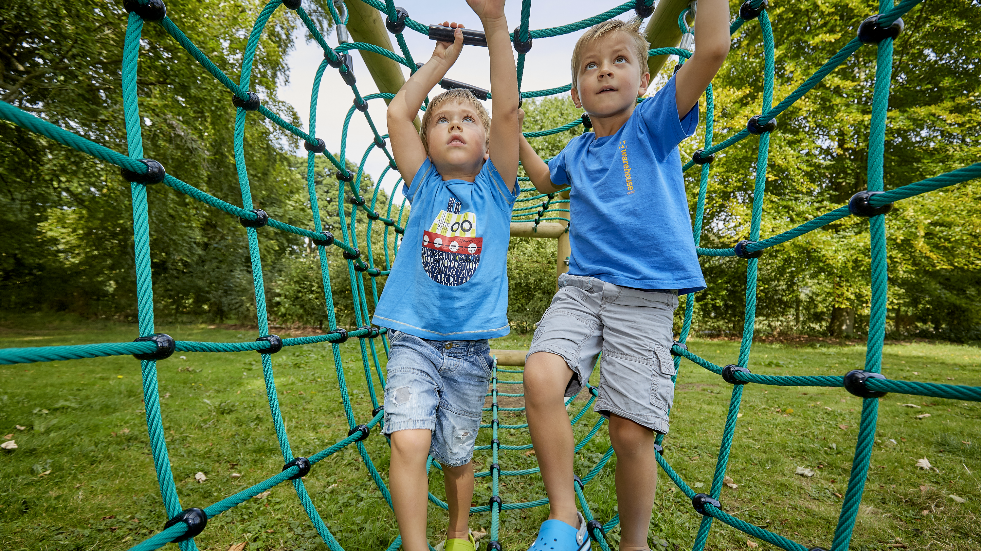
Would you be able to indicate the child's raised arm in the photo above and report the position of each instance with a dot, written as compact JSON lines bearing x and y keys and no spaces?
{"x":536,"y":168}
{"x":406,"y":144}
{"x":711,"y":48}
{"x":505,"y":128}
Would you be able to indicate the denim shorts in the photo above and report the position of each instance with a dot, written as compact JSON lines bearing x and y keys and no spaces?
{"x":439,"y":386}
{"x":633,"y":330}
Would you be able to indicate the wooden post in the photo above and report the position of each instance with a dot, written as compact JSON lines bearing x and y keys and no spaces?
{"x":564,"y":250}
{"x":663,"y":31}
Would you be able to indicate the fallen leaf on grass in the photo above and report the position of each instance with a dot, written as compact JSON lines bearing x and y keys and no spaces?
{"x":478,"y":534}
{"x":8,"y":436}
{"x":909,"y":406}
{"x":200,"y":477}
{"x":804,"y":471}
{"x":20,"y":427}
{"x":729,"y":482}
{"x":923,"y":464}
{"x":925,"y":488}
{"x":262,"y":495}
{"x":752,"y":544}
{"x":44,"y":474}
{"x":236,"y":475}
{"x":958,"y":499}
{"x":9,"y":445}
{"x":529,"y":453}
{"x":237,"y":546}
{"x":923,"y":416}
{"x":843,"y":427}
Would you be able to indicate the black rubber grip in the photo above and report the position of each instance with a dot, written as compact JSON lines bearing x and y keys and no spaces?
{"x":445,"y":34}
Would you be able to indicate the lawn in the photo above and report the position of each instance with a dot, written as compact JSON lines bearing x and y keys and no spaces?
{"x":82,"y":476}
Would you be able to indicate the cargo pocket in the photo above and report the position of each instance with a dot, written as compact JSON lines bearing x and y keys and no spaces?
{"x":662,"y":387}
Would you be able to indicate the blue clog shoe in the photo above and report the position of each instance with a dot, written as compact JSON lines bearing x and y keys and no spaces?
{"x":555,"y":535}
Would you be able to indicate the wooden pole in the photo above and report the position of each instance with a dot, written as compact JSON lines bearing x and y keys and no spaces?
{"x":663,"y":32}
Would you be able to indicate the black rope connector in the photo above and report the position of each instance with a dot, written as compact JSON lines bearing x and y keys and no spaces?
{"x":494,"y":546}
{"x":659,"y":449}
{"x":754,"y":126}
{"x":644,"y":8}
{"x":165,"y":347}
{"x":380,"y":142}
{"x":261,"y":219}
{"x":859,"y":205}
{"x":360,"y":267}
{"x":495,"y":500}
{"x":729,"y":374}
{"x":471,"y":37}
{"x":388,"y":222}
{"x":680,"y":345}
{"x":292,"y":4}
{"x":741,"y":252}
{"x":374,"y":331}
{"x":357,"y":200}
{"x":342,"y":333}
{"x":148,"y":10}
{"x":495,"y":467}
{"x":373,"y":272}
{"x":398,"y":25}
{"x":699,"y":501}
{"x":595,"y":529}
{"x":360,"y":106}
{"x":372,"y":215}
{"x":578,"y":481}
{"x":325,"y":241}
{"x":586,"y":123}
{"x":340,"y":60}
{"x":154,"y":173}
{"x":700,"y":158}
{"x":871,"y":32}
{"x":301,"y":463}
{"x":375,"y":411}
{"x":346,"y":176}
{"x":348,"y":75}
{"x":275,"y":344}
{"x":521,"y":46}
{"x":320,"y":147}
{"x":748,"y":13}
{"x":353,"y":255}
{"x":250,"y":103}
{"x":393,"y":165}
{"x":362,"y":429}
{"x":399,"y":230}
{"x":194,"y":518}
{"x":856,"y":382}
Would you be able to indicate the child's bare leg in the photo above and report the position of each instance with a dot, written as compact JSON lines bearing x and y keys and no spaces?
{"x":545,"y":378}
{"x":636,"y":480}
{"x":410,"y":486}
{"x":459,"y":495}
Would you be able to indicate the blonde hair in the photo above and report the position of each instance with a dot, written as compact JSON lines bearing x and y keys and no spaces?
{"x":630,"y":28}
{"x":463,"y":96}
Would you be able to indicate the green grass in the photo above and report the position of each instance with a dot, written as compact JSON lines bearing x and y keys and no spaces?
{"x":82,"y":476}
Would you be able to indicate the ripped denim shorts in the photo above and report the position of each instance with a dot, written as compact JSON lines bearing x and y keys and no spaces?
{"x":439,"y":386}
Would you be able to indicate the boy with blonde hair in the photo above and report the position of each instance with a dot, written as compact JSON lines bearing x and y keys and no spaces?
{"x":627,"y":189}
{"x":448,"y":290}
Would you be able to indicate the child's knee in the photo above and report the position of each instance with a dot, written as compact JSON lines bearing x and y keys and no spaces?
{"x":545,"y":374}
{"x":627,"y":436}
{"x":411,"y":443}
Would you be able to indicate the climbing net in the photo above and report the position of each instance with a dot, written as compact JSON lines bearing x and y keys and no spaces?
{"x":151,"y":347}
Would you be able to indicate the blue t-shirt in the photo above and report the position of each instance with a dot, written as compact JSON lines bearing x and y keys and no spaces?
{"x":449,"y":280}
{"x":630,"y":222}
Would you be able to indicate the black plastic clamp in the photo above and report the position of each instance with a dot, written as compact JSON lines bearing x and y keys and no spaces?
{"x":494,"y":467}
{"x":856,"y":383}
{"x":496,"y":442}
{"x":380,"y":142}
{"x":154,"y":173}
{"x":586,"y":123}
{"x":471,"y":37}
{"x":348,"y":75}
{"x":194,"y":518}
{"x":578,"y":481}
{"x":495,"y":500}
{"x":261,"y":219}
{"x":353,"y":255}
{"x":373,"y":331}
{"x":595,"y":529}
{"x":372,"y":215}
{"x":373,"y":272}
{"x":275,"y":344}
{"x":494,"y":546}
{"x":859,"y":204}
{"x":748,"y":13}
{"x":320,"y":147}
{"x":521,"y":46}
{"x":363,"y":429}
{"x":357,"y":200}
{"x":871,"y":32}
{"x":346,"y":176}
{"x":342,"y":333}
{"x":301,"y":463}
{"x":165,"y":347}
{"x":741,"y":252}
{"x":729,"y":374}
{"x":450,"y":84}
{"x":377,"y":410}
{"x":680,"y":345}
{"x":393,"y":165}
{"x":754,"y":126}
{"x":148,"y":10}
{"x":644,"y":8}
{"x":361,"y":106}
{"x":388,"y":222}
{"x":398,"y":25}
{"x":700,"y":158}
{"x":340,"y":59}
{"x":325,"y":241}
{"x":250,"y":103}
{"x":399,"y":230}
{"x":699,"y":501}
{"x":659,"y":449}
{"x":292,"y":4}
{"x":360,"y":267}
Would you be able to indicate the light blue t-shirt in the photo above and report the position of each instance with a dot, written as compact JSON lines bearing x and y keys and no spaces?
{"x":449,"y":280}
{"x":630,"y":223}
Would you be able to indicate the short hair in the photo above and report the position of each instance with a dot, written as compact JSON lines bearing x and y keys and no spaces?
{"x":630,"y":28}
{"x":463,"y":96}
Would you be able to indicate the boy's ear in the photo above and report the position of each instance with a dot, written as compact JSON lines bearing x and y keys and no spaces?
{"x":645,"y":81}
{"x":575,"y":98}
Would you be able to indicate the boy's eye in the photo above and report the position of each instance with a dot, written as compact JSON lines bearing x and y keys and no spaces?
{"x":591,"y":65}
{"x":621,"y":59}
{"x":442,"y":119}
{"x":469,"y":118}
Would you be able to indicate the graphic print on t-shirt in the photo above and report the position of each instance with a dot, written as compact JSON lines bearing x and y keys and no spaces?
{"x":451,"y":248}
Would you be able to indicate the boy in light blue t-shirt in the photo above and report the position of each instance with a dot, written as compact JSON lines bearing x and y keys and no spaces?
{"x":632,"y":254}
{"x":447,"y":292}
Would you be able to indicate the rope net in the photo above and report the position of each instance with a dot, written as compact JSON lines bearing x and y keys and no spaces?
{"x":150,"y":348}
